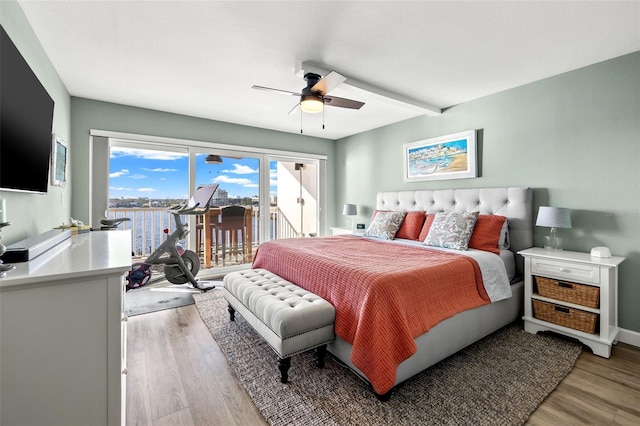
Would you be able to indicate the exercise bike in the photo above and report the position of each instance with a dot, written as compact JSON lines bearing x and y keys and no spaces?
{"x":180,"y":266}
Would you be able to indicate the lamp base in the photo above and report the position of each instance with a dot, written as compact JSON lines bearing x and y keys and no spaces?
{"x":350,"y":224}
{"x":552,"y":242}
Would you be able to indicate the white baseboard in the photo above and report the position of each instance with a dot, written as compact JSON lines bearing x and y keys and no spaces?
{"x":629,"y":337}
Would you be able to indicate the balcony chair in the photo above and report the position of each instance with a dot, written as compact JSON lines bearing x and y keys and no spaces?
{"x":232,"y":222}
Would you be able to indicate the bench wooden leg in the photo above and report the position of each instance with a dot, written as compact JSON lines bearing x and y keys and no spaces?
{"x":321,"y":351}
{"x":232,"y":313}
{"x":283,"y":365}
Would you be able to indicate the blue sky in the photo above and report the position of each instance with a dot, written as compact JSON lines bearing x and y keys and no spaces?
{"x":137,"y":173}
{"x":460,"y":144}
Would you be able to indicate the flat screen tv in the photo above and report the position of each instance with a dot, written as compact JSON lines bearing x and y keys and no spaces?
{"x":26,"y":120}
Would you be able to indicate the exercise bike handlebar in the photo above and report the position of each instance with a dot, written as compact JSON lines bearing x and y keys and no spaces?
{"x":181,"y":209}
{"x":201,"y":198}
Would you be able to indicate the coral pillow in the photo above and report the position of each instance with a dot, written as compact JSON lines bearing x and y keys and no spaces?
{"x":411,"y":226}
{"x":486,"y":233}
{"x":426,"y":226}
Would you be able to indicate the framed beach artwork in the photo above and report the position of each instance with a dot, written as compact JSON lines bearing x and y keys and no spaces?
{"x":445,"y":157}
{"x":58,"y":161}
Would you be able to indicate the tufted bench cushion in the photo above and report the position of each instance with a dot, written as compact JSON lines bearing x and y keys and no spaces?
{"x":290,"y":319}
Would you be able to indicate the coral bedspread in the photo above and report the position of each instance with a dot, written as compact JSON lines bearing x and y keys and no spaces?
{"x":385,"y":295}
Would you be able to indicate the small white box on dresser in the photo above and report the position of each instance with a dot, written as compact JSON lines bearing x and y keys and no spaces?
{"x":574,"y":270}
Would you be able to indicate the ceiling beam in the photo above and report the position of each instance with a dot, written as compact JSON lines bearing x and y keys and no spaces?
{"x":383,"y":94}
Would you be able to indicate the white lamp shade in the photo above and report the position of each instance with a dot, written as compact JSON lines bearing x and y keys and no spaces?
{"x":349,"y":210}
{"x":554,"y":217}
{"x":311,"y":103}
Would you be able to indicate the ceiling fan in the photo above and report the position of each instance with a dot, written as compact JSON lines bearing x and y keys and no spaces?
{"x":315,"y":96}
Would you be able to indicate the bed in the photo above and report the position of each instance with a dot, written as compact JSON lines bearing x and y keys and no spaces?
{"x":402,"y":306}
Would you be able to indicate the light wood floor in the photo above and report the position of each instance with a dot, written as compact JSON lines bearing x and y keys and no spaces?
{"x":178,"y":376}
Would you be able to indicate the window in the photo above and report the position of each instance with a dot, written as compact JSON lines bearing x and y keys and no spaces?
{"x":282,"y":191}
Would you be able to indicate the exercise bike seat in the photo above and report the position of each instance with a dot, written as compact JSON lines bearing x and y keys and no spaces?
{"x":113,"y":223}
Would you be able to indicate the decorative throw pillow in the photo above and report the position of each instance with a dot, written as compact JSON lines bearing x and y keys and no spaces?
{"x":451,"y":230}
{"x":426,"y":227}
{"x":375,"y":212}
{"x":411,"y":226}
{"x":385,"y":225}
{"x":486,"y":233}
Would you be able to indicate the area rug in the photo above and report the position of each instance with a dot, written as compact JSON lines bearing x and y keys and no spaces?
{"x":159,"y":296}
{"x":499,"y":380}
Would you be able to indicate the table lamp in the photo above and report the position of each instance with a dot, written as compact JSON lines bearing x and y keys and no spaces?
{"x":553,"y":217}
{"x":349,"y":210}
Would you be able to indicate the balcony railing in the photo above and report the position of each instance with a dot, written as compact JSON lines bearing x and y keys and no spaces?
{"x":148,"y":227}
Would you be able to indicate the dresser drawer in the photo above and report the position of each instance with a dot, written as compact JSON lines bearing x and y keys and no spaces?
{"x":564,"y":270}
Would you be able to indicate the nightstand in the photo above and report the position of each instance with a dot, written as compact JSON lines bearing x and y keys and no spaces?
{"x":579,"y":296}
{"x":341,"y":231}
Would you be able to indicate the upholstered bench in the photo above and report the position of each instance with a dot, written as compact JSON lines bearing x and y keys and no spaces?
{"x":290,"y":319}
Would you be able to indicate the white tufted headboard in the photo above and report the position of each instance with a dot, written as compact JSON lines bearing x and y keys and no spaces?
{"x":514,"y":203}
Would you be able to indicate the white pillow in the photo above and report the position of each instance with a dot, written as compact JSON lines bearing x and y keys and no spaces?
{"x":504,"y":243}
{"x":385,"y":225}
{"x":451,"y":230}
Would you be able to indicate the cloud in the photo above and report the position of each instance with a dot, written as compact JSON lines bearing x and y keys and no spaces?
{"x":239,"y":169}
{"x":149,"y":154}
{"x":119,"y":174}
{"x":138,"y":176}
{"x":237,"y":181}
{"x":127,"y":189}
{"x":158,"y":169}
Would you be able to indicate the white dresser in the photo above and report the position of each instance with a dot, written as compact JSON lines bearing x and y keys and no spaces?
{"x":63,"y":334}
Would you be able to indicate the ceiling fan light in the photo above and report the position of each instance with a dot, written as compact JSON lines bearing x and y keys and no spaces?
{"x":311,"y":103}
{"x":213,"y":159}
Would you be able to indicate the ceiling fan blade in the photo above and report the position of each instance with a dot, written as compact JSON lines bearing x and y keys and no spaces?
{"x":328,"y":83}
{"x":295,"y":109}
{"x":342,"y":102}
{"x":270,"y":89}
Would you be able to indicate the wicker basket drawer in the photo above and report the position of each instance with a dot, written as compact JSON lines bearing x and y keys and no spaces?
{"x":579,"y":294}
{"x":564,"y":316}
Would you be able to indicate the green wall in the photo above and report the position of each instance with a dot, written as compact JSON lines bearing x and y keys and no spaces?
{"x":33,"y":214}
{"x":574,"y":138}
{"x":95,"y":115}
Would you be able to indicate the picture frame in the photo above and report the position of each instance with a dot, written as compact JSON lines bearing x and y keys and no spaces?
{"x":59,"y":153}
{"x":445,"y":157}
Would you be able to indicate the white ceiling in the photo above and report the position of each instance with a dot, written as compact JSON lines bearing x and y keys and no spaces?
{"x":200,"y":58}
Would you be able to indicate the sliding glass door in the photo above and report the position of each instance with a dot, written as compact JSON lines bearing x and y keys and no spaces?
{"x":294,"y":198}
{"x":282,"y":194}
{"x":222,"y":239}
{"x":144,"y":181}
